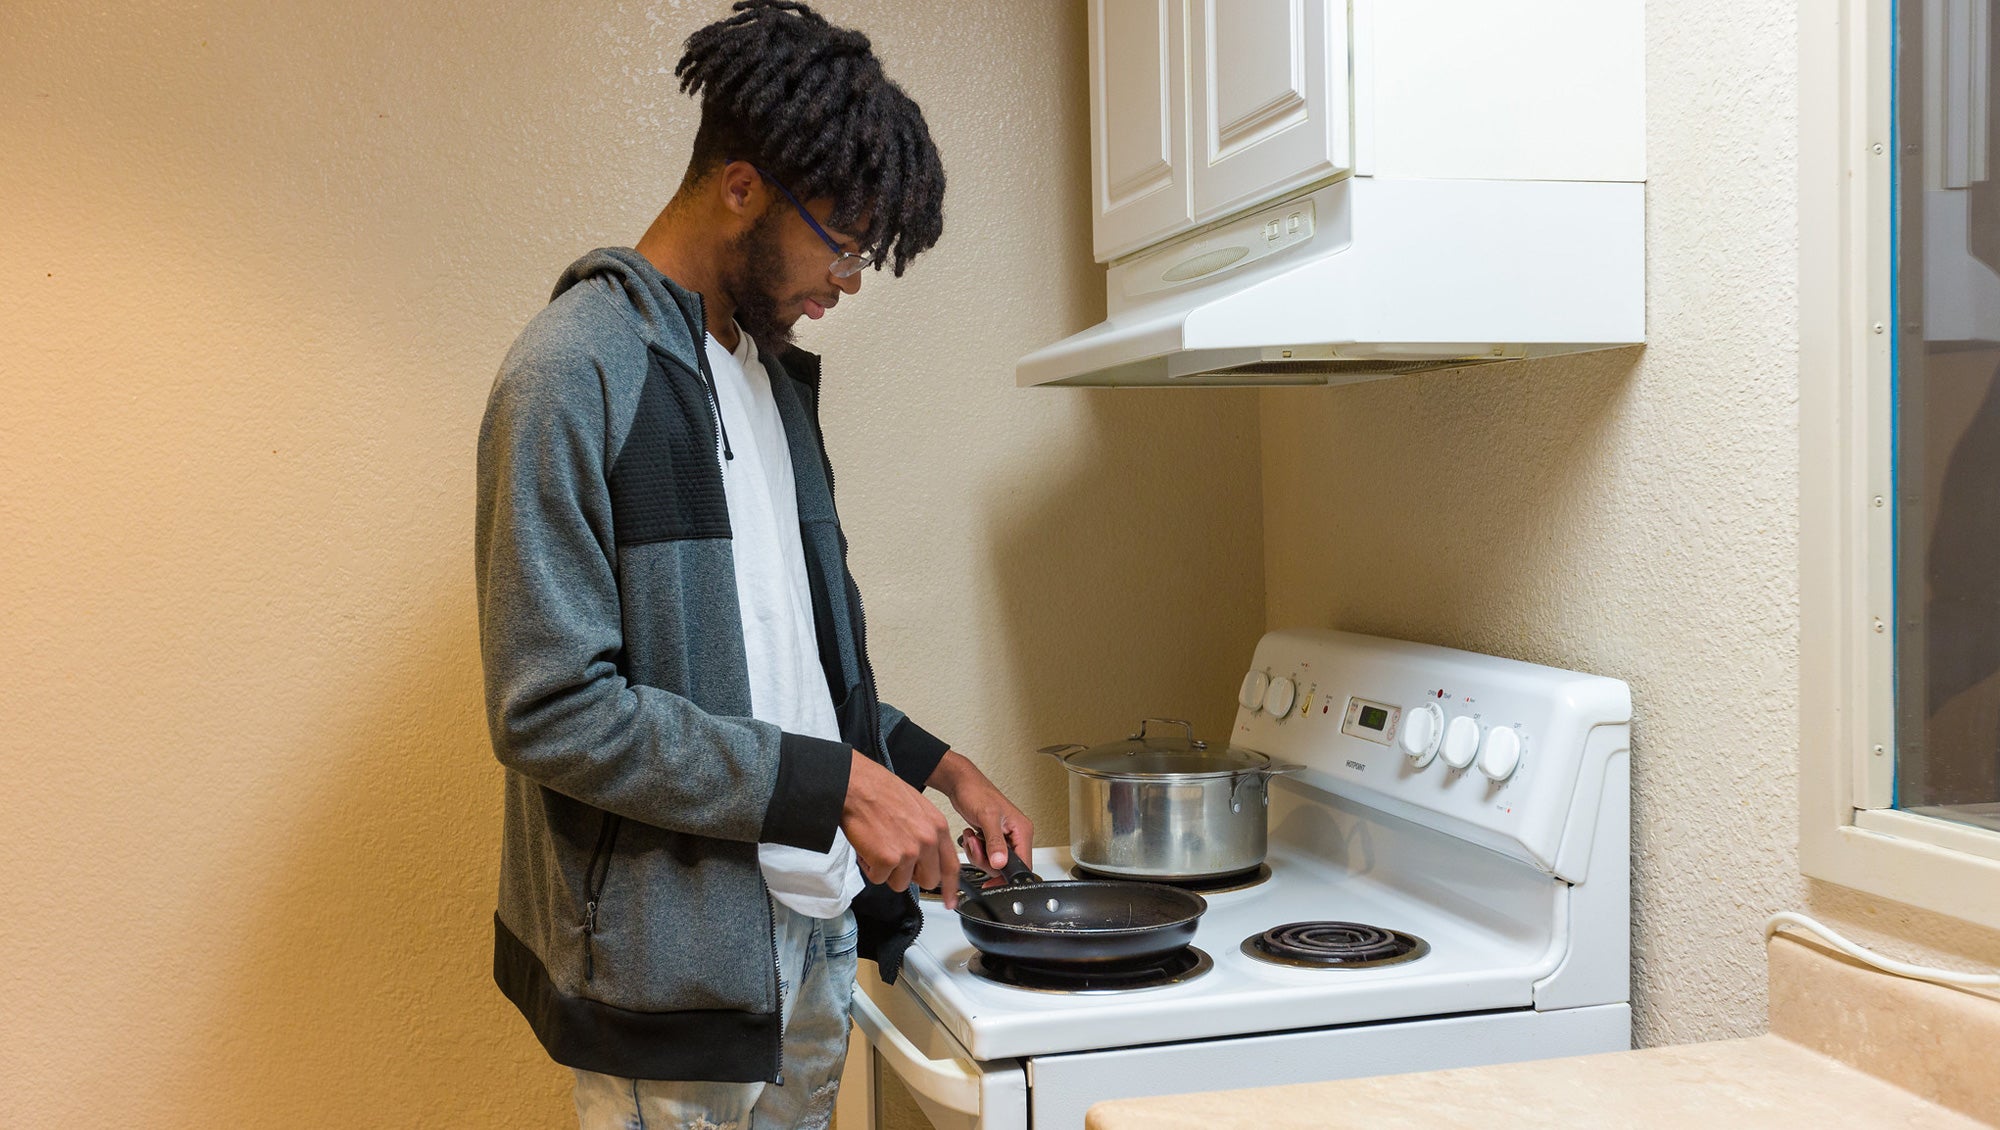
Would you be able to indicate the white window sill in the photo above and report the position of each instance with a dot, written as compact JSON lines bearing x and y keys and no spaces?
{"x":1934,"y":864}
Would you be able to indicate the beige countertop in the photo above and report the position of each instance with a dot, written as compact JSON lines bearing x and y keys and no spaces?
{"x":1935,"y":1044}
{"x":1764,"y":1082}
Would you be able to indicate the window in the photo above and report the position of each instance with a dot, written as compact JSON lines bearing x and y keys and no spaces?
{"x":1946,"y":451}
{"x":1899,"y":417}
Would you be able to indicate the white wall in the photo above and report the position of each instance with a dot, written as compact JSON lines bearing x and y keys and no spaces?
{"x":1630,"y":513}
{"x":261,"y":262}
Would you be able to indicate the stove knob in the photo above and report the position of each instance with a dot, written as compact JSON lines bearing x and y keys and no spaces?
{"x":1278,"y":700}
{"x":1252,"y":694}
{"x":1461,"y":742}
{"x":1421,"y":729}
{"x":1501,"y":754}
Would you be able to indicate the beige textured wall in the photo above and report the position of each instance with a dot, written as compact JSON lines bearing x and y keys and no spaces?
{"x":1628,"y":513}
{"x":260,"y":264}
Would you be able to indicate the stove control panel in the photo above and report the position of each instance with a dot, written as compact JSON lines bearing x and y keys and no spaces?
{"x":1494,"y":750}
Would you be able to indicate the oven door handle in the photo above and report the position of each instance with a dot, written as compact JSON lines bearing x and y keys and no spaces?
{"x":949,"y":1082}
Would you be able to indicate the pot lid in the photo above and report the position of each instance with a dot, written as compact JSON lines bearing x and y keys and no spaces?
{"x":1158,"y":754}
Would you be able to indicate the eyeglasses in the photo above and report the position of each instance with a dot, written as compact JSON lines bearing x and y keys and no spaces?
{"x":846,"y":264}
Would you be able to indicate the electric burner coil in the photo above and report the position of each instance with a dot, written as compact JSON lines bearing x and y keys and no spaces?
{"x":1177,"y":968}
{"x":1334,"y":945}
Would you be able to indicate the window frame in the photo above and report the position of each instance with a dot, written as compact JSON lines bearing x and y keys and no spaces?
{"x":1848,"y":834}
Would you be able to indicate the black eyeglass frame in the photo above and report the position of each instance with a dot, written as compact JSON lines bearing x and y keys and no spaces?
{"x":846,"y":264}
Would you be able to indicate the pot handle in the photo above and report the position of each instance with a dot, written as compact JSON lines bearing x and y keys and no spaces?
{"x":1183,"y":724}
{"x":1061,"y":752}
{"x":1263,"y":778}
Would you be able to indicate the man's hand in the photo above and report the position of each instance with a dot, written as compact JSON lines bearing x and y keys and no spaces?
{"x":993,"y":823}
{"x":897,"y":834}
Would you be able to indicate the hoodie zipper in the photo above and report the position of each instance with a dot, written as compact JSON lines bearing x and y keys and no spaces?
{"x":777,"y":982}
{"x":593,"y":889}
{"x":697,"y":324}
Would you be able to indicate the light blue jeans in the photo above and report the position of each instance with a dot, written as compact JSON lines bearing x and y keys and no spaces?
{"x":816,"y":971}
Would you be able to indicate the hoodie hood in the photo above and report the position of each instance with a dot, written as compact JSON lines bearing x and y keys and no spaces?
{"x":664,"y":313}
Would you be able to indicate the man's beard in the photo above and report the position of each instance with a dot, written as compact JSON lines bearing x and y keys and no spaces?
{"x":752,"y":284}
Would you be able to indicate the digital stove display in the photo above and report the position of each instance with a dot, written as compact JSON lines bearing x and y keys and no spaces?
{"x":1375,"y":721}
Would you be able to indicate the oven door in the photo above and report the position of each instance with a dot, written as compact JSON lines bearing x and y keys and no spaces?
{"x":896,"y":1036}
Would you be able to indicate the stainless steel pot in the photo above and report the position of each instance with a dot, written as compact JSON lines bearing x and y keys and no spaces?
{"x":1167,"y":807}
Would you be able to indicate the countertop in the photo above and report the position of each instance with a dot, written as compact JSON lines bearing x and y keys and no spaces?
{"x":1765,"y":1082}
{"x":1909,"y":1054}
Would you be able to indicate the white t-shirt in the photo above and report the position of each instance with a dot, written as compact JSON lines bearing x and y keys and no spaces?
{"x":787,"y":686}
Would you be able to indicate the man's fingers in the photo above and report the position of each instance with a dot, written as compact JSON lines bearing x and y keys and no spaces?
{"x":948,"y":886}
{"x":995,"y":841}
{"x":1021,"y":834}
{"x":947,"y":863}
{"x":926,"y":872}
{"x":910,"y":860}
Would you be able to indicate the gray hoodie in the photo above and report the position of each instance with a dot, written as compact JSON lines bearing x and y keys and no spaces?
{"x":634,"y":931}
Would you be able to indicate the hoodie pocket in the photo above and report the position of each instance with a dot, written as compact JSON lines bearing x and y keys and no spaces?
{"x":593,"y":889}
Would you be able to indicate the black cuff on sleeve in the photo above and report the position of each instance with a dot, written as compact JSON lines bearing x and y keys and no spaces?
{"x":915,"y":753}
{"x":812,"y":786}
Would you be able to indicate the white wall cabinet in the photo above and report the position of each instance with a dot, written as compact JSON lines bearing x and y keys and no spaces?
{"x":1138,"y":123}
{"x":1201,"y":108}
{"x":1269,"y":95}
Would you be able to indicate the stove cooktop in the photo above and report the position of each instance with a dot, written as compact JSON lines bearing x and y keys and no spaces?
{"x":1474,"y":961}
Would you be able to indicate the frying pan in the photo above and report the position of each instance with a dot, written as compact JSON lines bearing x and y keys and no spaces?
{"x":1077,"y":921}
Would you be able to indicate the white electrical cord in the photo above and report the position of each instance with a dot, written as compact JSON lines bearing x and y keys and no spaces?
{"x":1887,"y":964}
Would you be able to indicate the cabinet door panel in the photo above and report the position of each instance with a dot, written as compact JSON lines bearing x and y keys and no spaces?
{"x":1138,"y":122}
{"x":1269,"y":98}
{"x":1257,"y":66}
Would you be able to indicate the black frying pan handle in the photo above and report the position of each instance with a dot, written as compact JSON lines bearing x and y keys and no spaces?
{"x":1017,"y":872}
{"x":1014,"y":872}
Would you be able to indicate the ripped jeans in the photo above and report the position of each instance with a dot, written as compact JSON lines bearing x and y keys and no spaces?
{"x":816,"y":970}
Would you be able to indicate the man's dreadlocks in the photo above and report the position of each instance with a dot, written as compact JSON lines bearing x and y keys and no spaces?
{"x":807,"y":102}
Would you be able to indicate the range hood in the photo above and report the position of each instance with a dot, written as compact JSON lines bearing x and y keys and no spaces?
{"x":1368,"y":277}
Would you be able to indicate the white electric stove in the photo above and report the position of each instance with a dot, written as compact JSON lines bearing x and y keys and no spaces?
{"x":1470,"y":814}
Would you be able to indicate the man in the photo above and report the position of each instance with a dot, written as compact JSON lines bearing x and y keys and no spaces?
{"x":699,"y":772}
